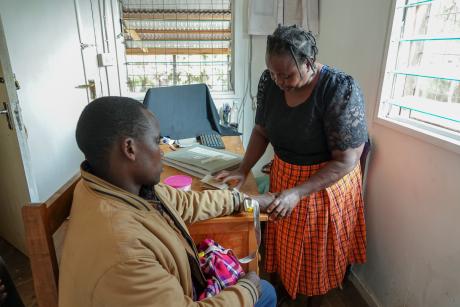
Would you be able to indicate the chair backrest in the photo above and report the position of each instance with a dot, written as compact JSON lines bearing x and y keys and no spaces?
{"x":364,"y":161}
{"x":41,"y":222}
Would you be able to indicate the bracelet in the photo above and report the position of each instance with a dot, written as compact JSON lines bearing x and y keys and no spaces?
{"x":238,"y":199}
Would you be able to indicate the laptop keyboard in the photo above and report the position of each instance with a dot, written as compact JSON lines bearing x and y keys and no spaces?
{"x":213,"y":140}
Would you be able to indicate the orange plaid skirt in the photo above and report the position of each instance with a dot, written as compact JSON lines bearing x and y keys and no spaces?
{"x":326,"y":231}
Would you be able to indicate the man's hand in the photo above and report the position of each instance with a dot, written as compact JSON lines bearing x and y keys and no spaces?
{"x":254,"y":279}
{"x":3,"y":293}
{"x":284,"y":203}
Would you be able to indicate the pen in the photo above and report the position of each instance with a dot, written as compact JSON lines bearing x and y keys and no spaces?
{"x":172,"y":147}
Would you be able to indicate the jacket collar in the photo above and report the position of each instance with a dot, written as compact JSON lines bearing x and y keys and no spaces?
{"x":103,"y":187}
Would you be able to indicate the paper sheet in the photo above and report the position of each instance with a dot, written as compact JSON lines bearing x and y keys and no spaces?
{"x":209,"y":180}
{"x":211,"y":154}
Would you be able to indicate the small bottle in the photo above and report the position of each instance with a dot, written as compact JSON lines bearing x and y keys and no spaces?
{"x":234,"y":114}
{"x":226,"y":114}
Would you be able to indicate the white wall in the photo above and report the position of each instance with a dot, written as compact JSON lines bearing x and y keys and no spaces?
{"x":257,"y":67}
{"x":44,"y":46}
{"x":45,"y":55}
{"x":413,"y":204}
{"x":245,"y":86}
{"x":413,"y":196}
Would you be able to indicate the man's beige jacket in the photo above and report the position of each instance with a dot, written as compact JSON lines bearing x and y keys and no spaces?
{"x":120,"y":250}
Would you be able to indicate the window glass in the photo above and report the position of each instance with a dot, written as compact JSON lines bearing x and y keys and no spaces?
{"x":178,"y":42}
{"x":422,"y":74}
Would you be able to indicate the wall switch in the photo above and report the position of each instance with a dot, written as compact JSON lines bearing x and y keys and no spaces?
{"x":105,"y":59}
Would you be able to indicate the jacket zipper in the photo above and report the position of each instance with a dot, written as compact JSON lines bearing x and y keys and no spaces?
{"x":187,"y":237}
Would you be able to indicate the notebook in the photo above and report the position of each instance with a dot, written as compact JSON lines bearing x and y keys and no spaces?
{"x":199,"y":160}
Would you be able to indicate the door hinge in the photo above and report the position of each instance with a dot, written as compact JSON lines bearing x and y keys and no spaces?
{"x":16,"y":82}
{"x":17,"y":114}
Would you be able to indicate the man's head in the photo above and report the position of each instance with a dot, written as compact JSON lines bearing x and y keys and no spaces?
{"x":120,"y":139}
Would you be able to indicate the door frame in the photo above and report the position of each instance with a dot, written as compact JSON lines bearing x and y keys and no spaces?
{"x":16,"y":116}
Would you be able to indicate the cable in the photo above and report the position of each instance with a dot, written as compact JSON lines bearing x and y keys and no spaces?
{"x":248,"y":85}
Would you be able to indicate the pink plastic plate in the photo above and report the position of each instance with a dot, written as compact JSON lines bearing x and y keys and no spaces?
{"x":180,"y":182}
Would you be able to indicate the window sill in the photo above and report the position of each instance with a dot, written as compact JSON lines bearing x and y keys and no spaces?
{"x":422,"y":132}
{"x":225,"y":95}
{"x":136,"y":96}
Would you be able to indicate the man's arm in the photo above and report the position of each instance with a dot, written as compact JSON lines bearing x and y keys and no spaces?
{"x":198,"y":206}
{"x":143,"y":282}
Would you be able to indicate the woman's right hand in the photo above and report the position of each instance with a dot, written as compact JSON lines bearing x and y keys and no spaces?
{"x":234,"y":179}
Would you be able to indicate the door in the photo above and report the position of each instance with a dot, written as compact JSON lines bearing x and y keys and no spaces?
{"x":101,"y":42}
{"x":55,"y":60}
{"x":16,"y":184}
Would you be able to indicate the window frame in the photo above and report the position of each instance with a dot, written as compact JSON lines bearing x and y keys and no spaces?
{"x":424,"y":132}
{"x":239,"y":55}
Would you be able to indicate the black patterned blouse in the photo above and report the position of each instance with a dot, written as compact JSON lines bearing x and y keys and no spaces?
{"x":332,"y":118}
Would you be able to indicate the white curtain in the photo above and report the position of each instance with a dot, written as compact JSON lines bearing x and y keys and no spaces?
{"x":265,"y":15}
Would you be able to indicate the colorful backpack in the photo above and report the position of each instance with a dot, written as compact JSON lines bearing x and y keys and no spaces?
{"x":220,"y":266}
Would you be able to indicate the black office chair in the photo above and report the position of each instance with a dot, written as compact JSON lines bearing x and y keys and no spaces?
{"x":12,"y":296}
{"x":364,"y":160}
{"x":185,"y":111}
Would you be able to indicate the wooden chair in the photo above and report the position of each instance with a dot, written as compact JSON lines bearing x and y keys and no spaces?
{"x":41,"y":222}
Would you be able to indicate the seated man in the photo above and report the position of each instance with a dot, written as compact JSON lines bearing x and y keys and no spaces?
{"x":127,"y":243}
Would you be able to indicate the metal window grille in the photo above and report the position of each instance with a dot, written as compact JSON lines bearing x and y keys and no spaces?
{"x":178,"y":42}
{"x":422,"y":75}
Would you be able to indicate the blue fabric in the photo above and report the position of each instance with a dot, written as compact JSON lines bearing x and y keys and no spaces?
{"x":268,"y":297}
{"x":185,"y":111}
{"x":263,"y":184}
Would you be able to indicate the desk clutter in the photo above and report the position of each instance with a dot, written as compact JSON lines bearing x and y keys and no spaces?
{"x":199,"y":161}
{"x":213,"y":140}
{"x":210,"y":181}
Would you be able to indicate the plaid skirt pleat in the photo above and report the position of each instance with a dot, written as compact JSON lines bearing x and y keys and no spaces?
{"x":326,"y":231}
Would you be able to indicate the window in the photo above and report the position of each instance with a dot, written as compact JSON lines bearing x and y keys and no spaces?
{"x":421,"y":85}
{"x":178,"y":42}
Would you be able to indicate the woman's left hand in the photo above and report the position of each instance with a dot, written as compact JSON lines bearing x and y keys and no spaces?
{"x":264,"y":200}
{"x":284,"y":203}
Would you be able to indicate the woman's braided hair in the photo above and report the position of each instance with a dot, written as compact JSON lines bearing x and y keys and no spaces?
{"x":293,"y":40}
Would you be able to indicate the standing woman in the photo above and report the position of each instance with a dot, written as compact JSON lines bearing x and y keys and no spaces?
{"x":314,"y":117}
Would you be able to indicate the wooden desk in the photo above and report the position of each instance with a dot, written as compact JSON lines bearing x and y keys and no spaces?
{"x":235,"y":231}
